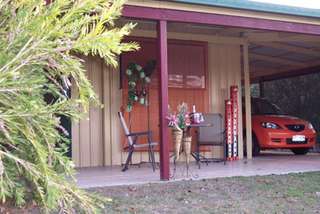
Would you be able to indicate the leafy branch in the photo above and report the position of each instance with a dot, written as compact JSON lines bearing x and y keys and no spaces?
{"x":40,"y":54}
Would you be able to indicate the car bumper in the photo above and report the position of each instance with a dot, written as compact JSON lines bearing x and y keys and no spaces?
{"x":283,"y":140}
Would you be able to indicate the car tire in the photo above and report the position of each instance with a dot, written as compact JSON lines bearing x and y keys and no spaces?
{"x":300,"y":151}
{"x":255,"y":146}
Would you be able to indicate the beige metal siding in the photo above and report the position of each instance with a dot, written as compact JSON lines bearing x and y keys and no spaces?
{"x":106,"y":75}
{"x":87,"y":142}
{"x":224,"y":70}
{"x":115,"y":102}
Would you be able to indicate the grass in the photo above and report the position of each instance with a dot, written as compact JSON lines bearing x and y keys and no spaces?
{"x":293,"y":193}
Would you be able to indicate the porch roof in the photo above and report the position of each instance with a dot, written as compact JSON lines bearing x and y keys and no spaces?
{"x":257,"y":6}
{"x":272,"y":54}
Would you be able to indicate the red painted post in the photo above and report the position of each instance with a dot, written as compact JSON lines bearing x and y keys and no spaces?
{"x":235,"y":120}
{"x":163,"y":76}
{"x":228,"y":124}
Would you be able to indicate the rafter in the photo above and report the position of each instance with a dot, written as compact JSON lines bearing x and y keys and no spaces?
{"x":259,"y":73}
{"x":275,"y":60}
{"x":285,"y":74}
{"x":290,"y":48}
{"x":277,"y":37}
{"x":191,"y":37}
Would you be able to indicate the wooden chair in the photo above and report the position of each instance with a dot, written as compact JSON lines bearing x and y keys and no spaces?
{"x":211,"y":136}
{"x":132,"y":140}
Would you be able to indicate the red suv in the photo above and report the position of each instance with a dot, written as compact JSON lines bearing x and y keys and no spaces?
{"x":272,"y":129}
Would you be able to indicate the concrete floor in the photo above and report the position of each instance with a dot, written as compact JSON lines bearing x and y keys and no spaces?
{"x":266,"y":164}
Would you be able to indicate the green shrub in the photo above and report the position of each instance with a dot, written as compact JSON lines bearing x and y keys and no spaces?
{"x":39,"y":45}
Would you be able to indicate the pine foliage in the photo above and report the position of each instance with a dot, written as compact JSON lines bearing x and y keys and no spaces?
{"x":39,"y":48}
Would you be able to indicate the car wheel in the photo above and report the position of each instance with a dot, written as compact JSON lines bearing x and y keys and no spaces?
{"x":255,"y":146}
{"x":300,"y":151}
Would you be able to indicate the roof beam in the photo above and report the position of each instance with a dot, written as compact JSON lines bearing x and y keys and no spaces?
{"x":290,"y":48}
{"x":277,"y":37}
{"x":287,"y":74}
{"x":191,"y":37}
{"x":218,"y":19}
{"x":259,"y":73}
{"x":277,"y":60}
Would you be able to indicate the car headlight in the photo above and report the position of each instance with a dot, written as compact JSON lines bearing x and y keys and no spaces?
{"x":310,"y":126}
{"x":270,"y":125}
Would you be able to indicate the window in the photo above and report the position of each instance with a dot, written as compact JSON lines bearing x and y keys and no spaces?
{"x":186,"y":65}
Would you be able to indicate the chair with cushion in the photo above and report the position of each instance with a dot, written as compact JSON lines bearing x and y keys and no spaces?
{"x":132,"y":141}
{"x":211,"y":136}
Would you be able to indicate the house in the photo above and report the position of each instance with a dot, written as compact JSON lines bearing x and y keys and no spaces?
{"x":201,"y":48}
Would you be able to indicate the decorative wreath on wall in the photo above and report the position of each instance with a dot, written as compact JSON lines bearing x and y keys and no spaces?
{"x":138,"y":80}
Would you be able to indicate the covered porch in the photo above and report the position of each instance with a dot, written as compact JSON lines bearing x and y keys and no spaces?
{"x":266,"y":164}
{"x":238,"y":51}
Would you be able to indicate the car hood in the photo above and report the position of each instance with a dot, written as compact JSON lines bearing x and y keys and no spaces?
{"x":280,"y":119}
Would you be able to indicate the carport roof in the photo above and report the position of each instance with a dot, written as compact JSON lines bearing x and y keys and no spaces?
{"x":257,"y":6}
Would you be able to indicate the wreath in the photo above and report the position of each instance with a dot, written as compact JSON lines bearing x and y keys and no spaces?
{"x":139,"y":79}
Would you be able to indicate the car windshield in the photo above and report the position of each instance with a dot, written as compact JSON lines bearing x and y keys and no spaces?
{"x":262,"y":106}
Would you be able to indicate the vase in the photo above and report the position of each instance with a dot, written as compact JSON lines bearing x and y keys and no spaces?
{"x":177,"y":135}
{"x":187,"y":140}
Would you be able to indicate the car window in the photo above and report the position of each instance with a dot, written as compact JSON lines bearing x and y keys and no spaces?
{"x":265,"y":107}
{"x":254,"y":107}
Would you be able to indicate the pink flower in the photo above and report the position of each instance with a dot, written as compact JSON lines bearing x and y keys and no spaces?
{"x":172,"y":120}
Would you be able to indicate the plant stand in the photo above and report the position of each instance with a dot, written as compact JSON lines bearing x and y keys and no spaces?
{"x":187,"y":141}
{"x":177,"y":135}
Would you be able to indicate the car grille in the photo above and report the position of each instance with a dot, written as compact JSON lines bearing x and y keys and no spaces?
{"x":276,"y":140}
{"x":289,"y":141}
{"x":296,"y":127}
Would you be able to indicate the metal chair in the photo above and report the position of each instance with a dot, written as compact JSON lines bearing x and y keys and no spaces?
{"x":132,"y":139}
{"x":211,"y":136}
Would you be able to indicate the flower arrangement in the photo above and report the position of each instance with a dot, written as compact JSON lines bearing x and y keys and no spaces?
{"x":138,"y":79}
{"x":181,"y":119}
{"x":179,"y":122}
